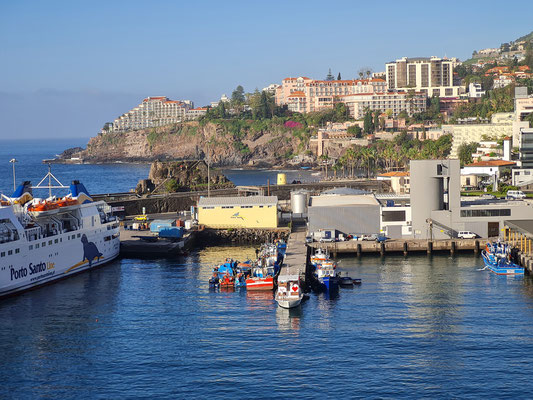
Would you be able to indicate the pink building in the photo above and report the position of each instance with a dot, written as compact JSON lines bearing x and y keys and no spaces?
{"x":303,"y":94}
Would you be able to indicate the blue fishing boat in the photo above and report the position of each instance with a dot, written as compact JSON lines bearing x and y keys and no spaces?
{"x":327,"y":275}
{"x":497,"y":258}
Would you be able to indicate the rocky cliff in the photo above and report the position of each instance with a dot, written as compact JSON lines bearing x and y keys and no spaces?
{"x":228,"y":143}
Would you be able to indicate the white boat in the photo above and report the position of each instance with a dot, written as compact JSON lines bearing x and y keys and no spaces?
{"x":38,"y":248}
{"x":289,"y":293}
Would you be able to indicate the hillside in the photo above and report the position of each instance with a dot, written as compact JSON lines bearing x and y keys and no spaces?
{"x":224,"y":143}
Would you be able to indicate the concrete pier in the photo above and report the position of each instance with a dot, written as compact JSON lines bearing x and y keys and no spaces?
{"x":132,"y":246}
{"x":296,"y":256}
{"x":402,"y":246}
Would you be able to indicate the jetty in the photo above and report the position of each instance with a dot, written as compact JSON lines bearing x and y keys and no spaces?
{"x":296,"y":255}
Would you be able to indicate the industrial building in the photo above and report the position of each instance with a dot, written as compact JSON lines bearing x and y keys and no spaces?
{"x":439,"y":212}
{"x":348,"y":211}
{"x":238,"y":212}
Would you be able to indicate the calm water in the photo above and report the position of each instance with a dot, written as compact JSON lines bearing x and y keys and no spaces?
{"x":102,"y":178}
{"x":416,"y":327}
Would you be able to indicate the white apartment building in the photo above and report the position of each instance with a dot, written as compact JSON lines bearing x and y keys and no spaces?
{"x":432,"y":76}
{"x":501,"y":125}
{"x":393,"y":101}
{"x":475,"y":91}
{"x":152,"y":112}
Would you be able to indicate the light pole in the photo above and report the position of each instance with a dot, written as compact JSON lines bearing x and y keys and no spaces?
{"x":13,"y":161}
{"x":208,"y":175}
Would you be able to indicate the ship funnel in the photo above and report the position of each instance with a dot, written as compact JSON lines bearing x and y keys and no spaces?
{"x":23,"y":193}
{"x":79,"y":192}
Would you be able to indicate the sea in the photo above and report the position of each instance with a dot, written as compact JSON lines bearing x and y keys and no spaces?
{"x":417,"y":327}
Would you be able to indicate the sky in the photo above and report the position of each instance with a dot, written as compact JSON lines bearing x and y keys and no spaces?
{"x":67,"y":67}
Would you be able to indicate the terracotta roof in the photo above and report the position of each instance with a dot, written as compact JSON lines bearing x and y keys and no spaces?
{"x":395,"y":173}
{"x":297,"y":93}
{"x":491,"y":163}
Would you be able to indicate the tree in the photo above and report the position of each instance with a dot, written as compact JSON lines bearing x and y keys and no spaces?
{"x":237,"y":97}
{"x":376,"y":119}
{"x":368,"y":123}
{"x":464,"y":152}
{"x":339,"y":77}
{"x":356,"y":130}
{"x":329,"y":76}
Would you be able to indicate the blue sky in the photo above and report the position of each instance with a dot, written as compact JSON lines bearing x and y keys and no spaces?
{"x":66,"y":67}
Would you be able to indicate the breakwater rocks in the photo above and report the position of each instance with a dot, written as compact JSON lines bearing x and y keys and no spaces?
{"x":209,"y":237}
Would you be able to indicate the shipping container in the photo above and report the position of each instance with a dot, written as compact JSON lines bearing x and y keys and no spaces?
{"x":159,"y":224}
{"x":171,"y":233}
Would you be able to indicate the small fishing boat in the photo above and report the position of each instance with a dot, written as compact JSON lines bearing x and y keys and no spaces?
{"x":327,"y":276}
{"x":289,"y":293}
{"x":319,"y":256}
{"x":497,"y":258}
{"x":262,"y":278}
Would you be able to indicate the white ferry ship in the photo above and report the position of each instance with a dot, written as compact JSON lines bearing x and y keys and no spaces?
{"x":42,"y":240}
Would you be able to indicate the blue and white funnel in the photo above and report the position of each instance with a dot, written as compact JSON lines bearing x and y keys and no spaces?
{"x":79,"y":192}
{"x":23,"y":193}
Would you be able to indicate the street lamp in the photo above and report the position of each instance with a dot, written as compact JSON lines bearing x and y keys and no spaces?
{"x":13,"y":161}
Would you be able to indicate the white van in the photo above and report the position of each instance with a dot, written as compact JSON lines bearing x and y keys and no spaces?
{"x":515,"y":194}
{"x":466,"y":235}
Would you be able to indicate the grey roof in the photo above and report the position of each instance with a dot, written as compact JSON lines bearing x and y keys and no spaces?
{"x":345,"y":190}
{"x":345,"y":200}
{"x":238,"y":201}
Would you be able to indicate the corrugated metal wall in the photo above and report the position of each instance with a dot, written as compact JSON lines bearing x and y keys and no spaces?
{"x":346,"y":219}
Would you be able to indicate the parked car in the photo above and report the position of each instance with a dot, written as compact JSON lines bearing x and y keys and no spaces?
{"x":466,"y":235}
{"x":515,"y":194}
{"x":372,"y":236}
{"x":309,"y":239}
{"x":141,"y":218}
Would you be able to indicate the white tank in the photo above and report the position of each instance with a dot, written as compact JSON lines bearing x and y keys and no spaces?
{"x":299,"y":202}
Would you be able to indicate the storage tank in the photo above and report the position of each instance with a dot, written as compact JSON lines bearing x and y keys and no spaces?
{"x":282,"y":179}
{"x":299,"y":201}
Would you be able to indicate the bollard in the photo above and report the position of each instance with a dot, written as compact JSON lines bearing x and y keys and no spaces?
{"x":430,"y":247}
{"x":358,"y":249}
{"x":405,"y":248}
{"x":452,"y":248}
{"x":382,"y":249}
{"x":476,"y":247}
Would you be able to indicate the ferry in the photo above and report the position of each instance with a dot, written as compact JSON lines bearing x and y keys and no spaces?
{"x":43,"y":240}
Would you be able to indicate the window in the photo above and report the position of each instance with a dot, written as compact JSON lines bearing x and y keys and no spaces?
{"x":56,"y":241}
{"x":227,"y":206}
{"x":44,"y":244}
{"x":3,"y":254}
{"x":502,"y":212}
{"x":50,"y":242}
{"x":208,"y":208}
{"x":37,"y":246}
{"x":31,"y":246}
{"x":246,"y":206}
{"x":392,"y":216}
{"x":17,"y":251}
{"x":9,"y":252}
{"x":79,"y":234}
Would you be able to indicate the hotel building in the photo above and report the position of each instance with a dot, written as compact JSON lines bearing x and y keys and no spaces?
{"x":431,"y":76}
{"x":152,"y":112}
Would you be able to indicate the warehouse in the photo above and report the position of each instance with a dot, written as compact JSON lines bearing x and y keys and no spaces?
{"x":238,"y":212}
{"x":345,"y":210}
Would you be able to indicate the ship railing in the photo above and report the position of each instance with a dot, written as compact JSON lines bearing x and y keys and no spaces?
{"x":33,"y":233}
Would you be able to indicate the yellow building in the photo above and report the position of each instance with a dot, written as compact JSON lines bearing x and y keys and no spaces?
{"x":238,"y":212}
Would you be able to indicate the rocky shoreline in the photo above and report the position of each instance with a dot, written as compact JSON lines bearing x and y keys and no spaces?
{"x":210,"y":237}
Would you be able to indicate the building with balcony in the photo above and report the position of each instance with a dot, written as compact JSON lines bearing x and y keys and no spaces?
{"x":396,"y":102}
{"x":152,"y":112}
{"x":304,"y":94}
{"x":432,"y":76}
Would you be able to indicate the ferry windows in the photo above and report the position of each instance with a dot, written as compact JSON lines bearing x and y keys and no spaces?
{"x":37,"y":245}
{"x":31,"y":246}
{"x":9,"y":252}
{"x":79,"y":234}
{"x":17,"y":251}
{"x":56,"y":241}
{"x":227,"y":206}
{"x":43,"y":244}
{"x":3,"y":254}
{"x":50,"y":242}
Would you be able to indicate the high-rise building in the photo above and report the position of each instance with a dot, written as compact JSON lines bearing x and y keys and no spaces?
{"x":432,"y":76}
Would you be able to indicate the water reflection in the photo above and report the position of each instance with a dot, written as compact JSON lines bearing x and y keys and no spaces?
{"x":288,"y":319}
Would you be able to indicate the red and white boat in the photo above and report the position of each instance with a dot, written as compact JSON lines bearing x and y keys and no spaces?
{"x":260,"y":280}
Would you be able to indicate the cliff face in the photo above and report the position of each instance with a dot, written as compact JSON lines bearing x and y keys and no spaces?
{"x":223,"y":145}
